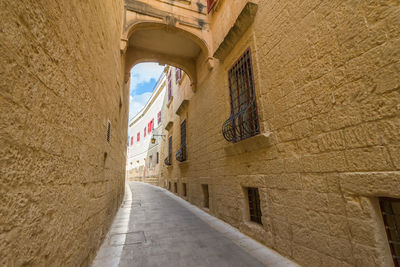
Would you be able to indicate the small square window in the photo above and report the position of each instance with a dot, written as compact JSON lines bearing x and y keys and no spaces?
{"x":254,"y":204}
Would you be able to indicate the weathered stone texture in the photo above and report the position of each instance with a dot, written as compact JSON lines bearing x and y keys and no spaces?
{"x":60,"y":82}
{"x":327,"y":86}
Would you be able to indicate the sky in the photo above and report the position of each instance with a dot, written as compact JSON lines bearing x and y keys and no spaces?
{"x":144,"y":77}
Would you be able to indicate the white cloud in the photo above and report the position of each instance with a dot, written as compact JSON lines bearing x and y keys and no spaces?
{"x":137,"y":103}
{"x":144,"y":72}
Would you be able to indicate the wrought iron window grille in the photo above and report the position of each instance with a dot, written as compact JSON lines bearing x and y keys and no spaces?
{"x":167,"y":161}
{"x":181,"y":153}
{"x":239,"y":126}
{"x":243,"y":121}
{"x":254,"y":205}
{"x":390,"y":209}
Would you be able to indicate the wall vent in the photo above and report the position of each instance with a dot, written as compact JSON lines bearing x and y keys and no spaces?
{"x":108,"y":131}
{"x":206,"y":196}
{"x":184,"y":189}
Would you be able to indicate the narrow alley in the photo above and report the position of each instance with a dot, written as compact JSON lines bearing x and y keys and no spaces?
{"x":156,"y":228}
{"x":266,"y":133}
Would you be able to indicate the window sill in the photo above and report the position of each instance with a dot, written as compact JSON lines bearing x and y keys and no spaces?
{"x":253,"y":227}
{"x":257,"y":142}
{"x":183,"y":163}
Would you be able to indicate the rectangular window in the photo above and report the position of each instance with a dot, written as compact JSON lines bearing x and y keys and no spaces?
{"x":138,"y":137}
{"x":151,"y":125}
{"x":254,"y":204}
{"x":243,"y":121}
{"x":169,"y":86}
{"x":168,"y":159}
{"x":181,"y":154}
{"x":390,"y":209}
{"x":157,"y":158}
{"x":206,"y":196}
{"x":178,"y":75}
{"x":184,"y":189}
{"x":176,"y":187}
{"x":169,"y":186}
{"x":210,"y":4}
{"x":131,"y":140}
{"x":170,"y":146}
{"x":159,"y":118}
{"x":144,"y":132}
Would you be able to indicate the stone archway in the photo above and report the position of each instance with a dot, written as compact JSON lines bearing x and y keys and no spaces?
{"x":185,"y":38}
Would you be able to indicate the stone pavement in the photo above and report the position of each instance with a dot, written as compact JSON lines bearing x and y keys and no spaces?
{"x":156,"y":228}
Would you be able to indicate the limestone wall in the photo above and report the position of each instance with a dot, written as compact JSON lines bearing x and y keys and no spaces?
{"x":60,"y":82}
{"x":327,"y":85}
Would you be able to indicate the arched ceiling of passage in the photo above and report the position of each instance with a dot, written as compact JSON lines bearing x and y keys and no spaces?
{"x":173,"y":43}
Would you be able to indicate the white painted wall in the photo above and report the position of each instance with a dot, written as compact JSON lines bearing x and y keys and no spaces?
{"x":139,"y":151}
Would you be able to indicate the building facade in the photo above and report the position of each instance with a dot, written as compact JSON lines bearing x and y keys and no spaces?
{"x":290,"y":131}
{"x":144,"y":137}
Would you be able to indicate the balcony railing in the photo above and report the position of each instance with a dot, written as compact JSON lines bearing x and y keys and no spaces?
{"x":168,"y":161}
{"x":241,"y":125}
{"x":181,"y":153}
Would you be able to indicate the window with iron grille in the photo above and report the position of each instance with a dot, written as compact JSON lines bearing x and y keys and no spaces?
{"x":168,"y":159}
{"x":181,"y":153}
{"x":254,"y":204}
{"x":390,"y":209}
{"x":169,"y":86}
{"x":210,"y":4}
{"x":243,"y":121}
{"x":108,"y":131}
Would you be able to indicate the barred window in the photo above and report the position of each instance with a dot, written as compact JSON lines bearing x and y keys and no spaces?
{"x":243,"y":121}
{"x":390,"y":209}
{"x":181,"y":153}
{"x":254,"y":204}
{"x":168,"y":159}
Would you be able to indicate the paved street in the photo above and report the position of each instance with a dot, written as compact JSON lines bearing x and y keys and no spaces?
{"x":156,"y":228}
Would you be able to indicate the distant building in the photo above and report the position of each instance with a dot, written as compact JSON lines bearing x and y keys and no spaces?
{"x":143,"y":156}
